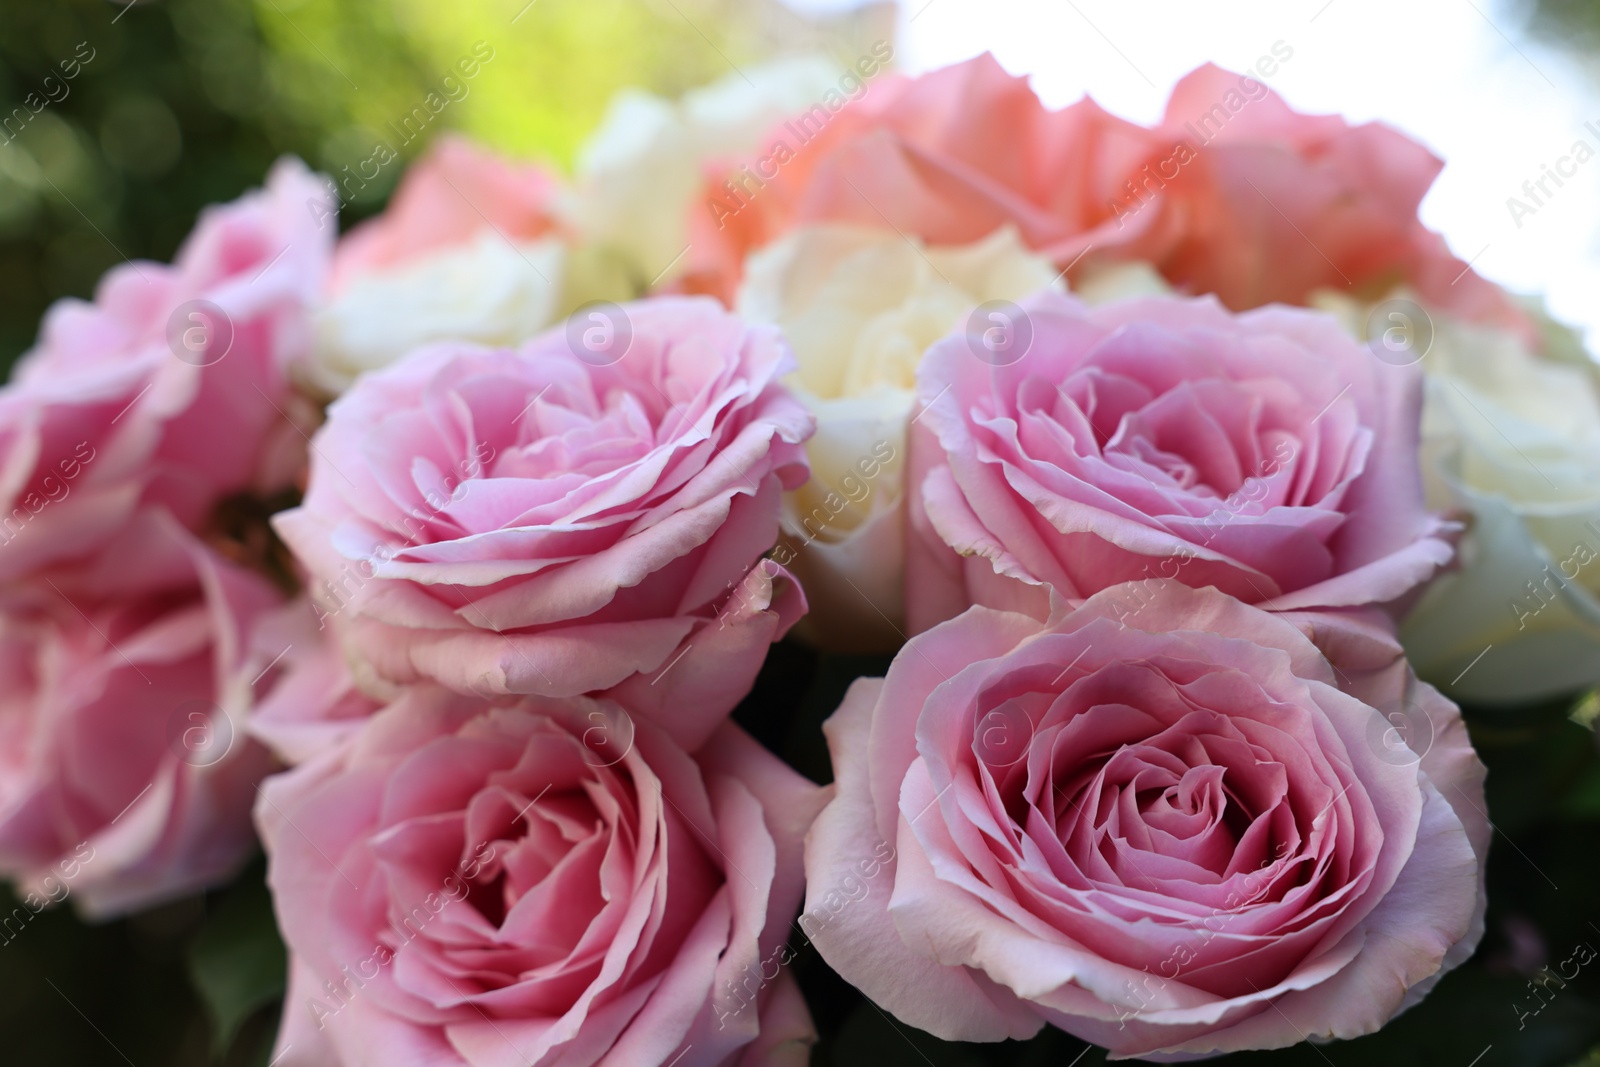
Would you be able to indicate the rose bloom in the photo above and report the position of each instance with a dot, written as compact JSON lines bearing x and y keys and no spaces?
{"x":122,"y":739}
{"x":1230,"y":179}
{"x":860,"y":306}
{"x":639,"y":172}
{"x":556,"y":520}
{"x":549,"y":882}
{"x":144,"y":397}
{"x":1265,"y":453}
{"x":1173,"y":832}
{"x":470,"y":248}
{"x":1511,"y":439}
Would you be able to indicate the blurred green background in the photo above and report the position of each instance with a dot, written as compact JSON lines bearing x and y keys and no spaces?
{"x":187,"y":102}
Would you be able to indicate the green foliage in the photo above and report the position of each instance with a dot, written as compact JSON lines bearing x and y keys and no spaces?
{"x":110,"y":993}
{"x":237,"y":961}
{"x":188,"y":102}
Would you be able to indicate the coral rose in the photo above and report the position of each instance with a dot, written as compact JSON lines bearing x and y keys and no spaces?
{"x":1232,"y":193}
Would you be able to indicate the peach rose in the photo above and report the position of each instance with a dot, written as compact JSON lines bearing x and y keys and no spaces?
{"x":1232,"y":193}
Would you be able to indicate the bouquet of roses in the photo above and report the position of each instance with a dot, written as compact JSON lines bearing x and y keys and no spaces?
{"x":438,"y":556}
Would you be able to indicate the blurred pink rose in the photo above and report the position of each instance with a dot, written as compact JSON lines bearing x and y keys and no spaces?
{"x":316,"y":705}
{"x":122,"y":731}
{"x":1173,"y":833}
{"x":455,"y":192}
{"x":584,"y":511}
{"x":545,"y":882}
{"x":171,"y":388}
{"x":1157,"y":440}
{"x":1270,"y":209}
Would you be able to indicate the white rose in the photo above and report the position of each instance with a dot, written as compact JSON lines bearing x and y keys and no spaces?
{"x":1511,"y":437}
{"x":487,"y":290}
{"x":860,"y":306}
{"x":640,"y":172}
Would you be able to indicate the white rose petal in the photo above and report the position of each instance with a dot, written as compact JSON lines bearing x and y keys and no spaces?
{"x":639,"y":173}
{"x":860,"y":306}
{"x":1510,"y":437}
{"x":487,"y":290}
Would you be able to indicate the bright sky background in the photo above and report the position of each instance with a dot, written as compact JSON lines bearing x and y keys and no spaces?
{"x":1456,"y":74}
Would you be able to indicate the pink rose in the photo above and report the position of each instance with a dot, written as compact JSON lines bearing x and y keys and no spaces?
{"x":1173,"y":833}
{"x":125,"y":775}
{"x":540,"y":883}
{"x":1266,"y":453}
{"x":559,"y":519}
{"x":1230,"y":180}
{"x":171,"y":388}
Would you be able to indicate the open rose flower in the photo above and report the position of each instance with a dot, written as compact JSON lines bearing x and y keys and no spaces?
{"x":558,"y":518}
{"x":860,"y":306}
{"x":1173,"y":832}
{"x":171,"y":388}
{"x":469,"y":248}
{"x":122,"y":743}
{"x":1232,"y":193}
{"x":1267,"y":454}
{"x":549,"y":882}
